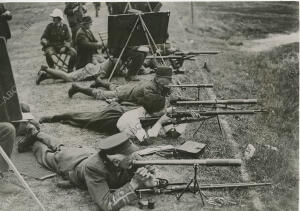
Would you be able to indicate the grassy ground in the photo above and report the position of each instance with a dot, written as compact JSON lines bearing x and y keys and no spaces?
{"x":271,"y":77}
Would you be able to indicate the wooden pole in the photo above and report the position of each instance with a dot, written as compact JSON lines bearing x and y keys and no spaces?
{"x":21,"y":179}
{"x":192,"y":12}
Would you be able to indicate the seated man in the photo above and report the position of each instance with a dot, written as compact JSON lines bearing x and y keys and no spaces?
{"x":89,"y":72}
{"x":7,"y":138}
{"x":86,"y":43}
{"x":143,"y":93}
{"x":111,"y":167}
{"x":56,"y":39}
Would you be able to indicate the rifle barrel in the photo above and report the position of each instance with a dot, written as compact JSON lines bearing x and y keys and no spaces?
{"x":164,"y":57}
{"x":203,"y":162}
{"x":192,"y":85}
{"x":197,"y":53}
{"x":212,"y":102}
{"x":212,"y":113}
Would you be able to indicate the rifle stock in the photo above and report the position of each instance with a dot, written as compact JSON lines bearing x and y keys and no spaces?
{"x":190,"y":162}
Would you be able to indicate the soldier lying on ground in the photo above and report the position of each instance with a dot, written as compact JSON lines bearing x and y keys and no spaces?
{"x":142,"y":93}
{"x":111,"y":167}
{"x":89,"y":72}
{"x":56,"y":39}
{"x":115,"y":118}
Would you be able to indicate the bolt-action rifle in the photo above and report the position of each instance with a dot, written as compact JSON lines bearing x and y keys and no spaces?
{"x":179,"y":117}
{"x":176,"y":187}
{"x":178,"y":57}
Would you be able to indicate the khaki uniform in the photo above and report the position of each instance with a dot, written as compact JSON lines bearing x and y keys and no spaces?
{"x":147,"y":94}
{"x":87,"y":169}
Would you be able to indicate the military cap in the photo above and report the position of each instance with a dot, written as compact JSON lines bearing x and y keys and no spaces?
{"x":164,"y":72}
{"x":86,"y":20}
{"x":119,"y":143}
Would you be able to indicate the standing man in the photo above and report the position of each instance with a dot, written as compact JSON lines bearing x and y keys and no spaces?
{"x":86,"y":43}
{"x":98,"y":172}
{"x":75,"y":12}
{"x":5,"y":16}
{"x":56,"y":39}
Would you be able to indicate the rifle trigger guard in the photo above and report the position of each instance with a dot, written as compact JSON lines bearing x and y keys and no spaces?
{"x":162,"y":183}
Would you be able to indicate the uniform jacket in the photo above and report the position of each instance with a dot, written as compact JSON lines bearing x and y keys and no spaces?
{"x":56,"y":35}
{"x":4,"y":28}
{"x":86,"y":45}
{"x":148,"y":94}
{"x":98,"y":175}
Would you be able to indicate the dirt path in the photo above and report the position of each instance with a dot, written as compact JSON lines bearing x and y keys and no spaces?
{"x":272,"y":41}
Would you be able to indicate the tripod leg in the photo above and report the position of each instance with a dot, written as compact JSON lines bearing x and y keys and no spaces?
{"x":186,"y":188}
{"x":197,"y":189}
{"x":198,"y":128}
{"x":220,"y":127}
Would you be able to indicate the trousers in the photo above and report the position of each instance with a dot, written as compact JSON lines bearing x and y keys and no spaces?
{"x":7,"y":138}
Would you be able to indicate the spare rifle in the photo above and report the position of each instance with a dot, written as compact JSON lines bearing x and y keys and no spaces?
{"x":182,"y":101}
{"x":190,"y":162}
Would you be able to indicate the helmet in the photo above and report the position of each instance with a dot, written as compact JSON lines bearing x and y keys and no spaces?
{"x":57,"y":13}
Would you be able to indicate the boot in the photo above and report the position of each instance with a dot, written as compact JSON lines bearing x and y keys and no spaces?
{"x":41,"y":77}
{"x":72,"y":91}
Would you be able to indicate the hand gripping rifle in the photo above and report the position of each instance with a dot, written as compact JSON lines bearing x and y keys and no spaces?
{"x":191,"y":162}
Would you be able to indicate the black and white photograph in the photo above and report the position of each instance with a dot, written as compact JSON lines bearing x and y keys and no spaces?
{"x":147,"y":105}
